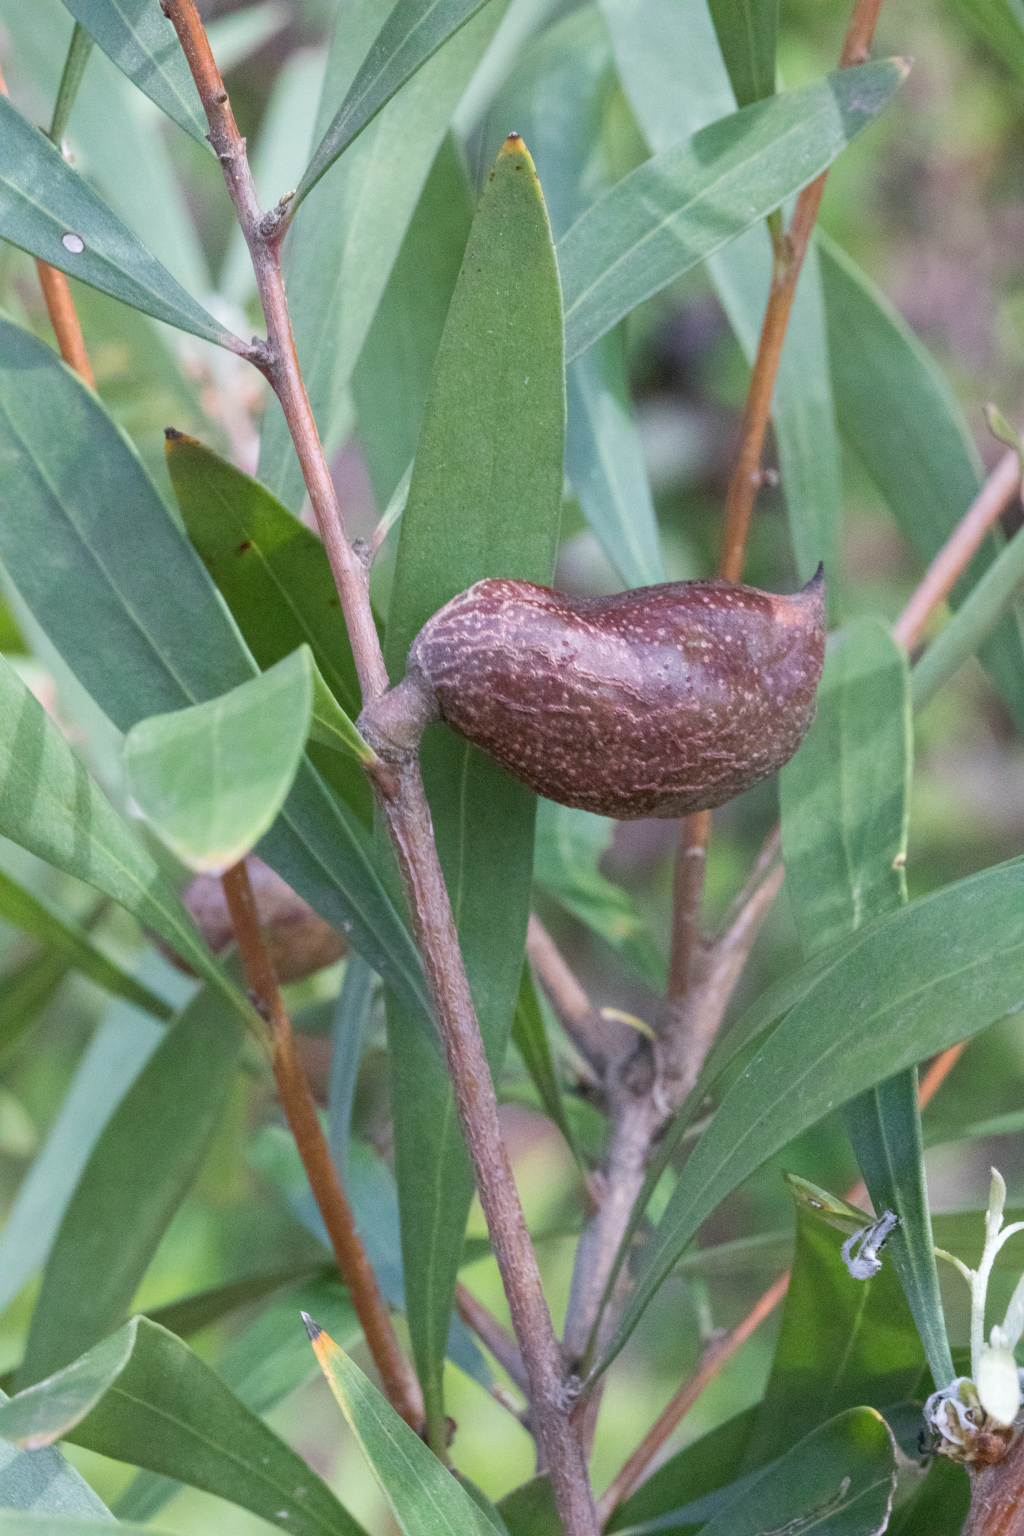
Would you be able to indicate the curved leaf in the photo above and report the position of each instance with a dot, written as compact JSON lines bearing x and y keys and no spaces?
{"x":412,"y":34}
{"x":41,"y":1492}
{"x":212,"y":779}
{"x":125,"y":600}
{"x":747,"y":32}
{"x":137,"y":37}
{"x":137,"y":1174}
{"x":904,"y":987}
{"x":686,"y":202}
{"x":142,"y":1396}
{"x":49,"y":210}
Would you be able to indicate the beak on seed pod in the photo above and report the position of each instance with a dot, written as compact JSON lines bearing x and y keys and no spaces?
{"x":655,"y":702}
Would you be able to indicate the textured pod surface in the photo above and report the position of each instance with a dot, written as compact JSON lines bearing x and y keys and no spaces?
{"x":654,"y":702}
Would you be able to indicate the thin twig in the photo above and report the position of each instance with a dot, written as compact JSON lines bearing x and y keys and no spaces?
{"x":688,"y":888}
{"x":64,"y":318}
{"x":589,"y":1033}
{"x":398,"y":788}
{"x":491,"y":1334}
{"x":713,"y":1359}
{"x":959,"y":549}
{"x":789,"y":252}
{"x":397,"y":1376}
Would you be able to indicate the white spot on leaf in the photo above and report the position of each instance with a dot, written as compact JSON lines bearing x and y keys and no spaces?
{"x":73,"y":243}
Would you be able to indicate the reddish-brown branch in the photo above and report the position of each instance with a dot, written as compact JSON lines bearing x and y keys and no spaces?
{"x":397,"y":1376}
{"x":64,"y":318}
{"x":959,"y":549}
{"x":790,"y":250}
{"x":717,"y":1354}
{"x":937,"y":1073}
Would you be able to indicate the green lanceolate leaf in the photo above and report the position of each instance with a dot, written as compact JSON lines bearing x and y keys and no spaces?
{"x":905,"y":986}
{"x":143,"y":1397}
{"x":135,"y":1179}
{"x":425,"y":1498}
{"x":843,"y":1343}
{"x":747,"y":32}
{"x":845,"y":815}
{"x":40,"y":1490}
{"x":391,"y":379}
{"x":275,"y":577}
{"x":704,"y":1467}
{"x":211,"y":780}
{"x":485,"y":500}
{"x":898,"y":412}
{"x":344,"y":241}
{"x":52,"y":807}
{"x":839,"y":1481}
{"x":27,"y":912}
{"x":27,"y":988}
{"x":672,"y":71}
{"x":412,"y":34}
{"x":567,"y":857}
{"x":686,"y":202}
{"x":148,"y":635}
{"x":1000,"y":23}
{"x":137,"y":37}
{"x":47,"y":209}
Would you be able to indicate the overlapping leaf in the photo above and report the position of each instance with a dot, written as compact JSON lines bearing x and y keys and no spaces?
{"x":686,"y":202}
{"x":49,"y":210}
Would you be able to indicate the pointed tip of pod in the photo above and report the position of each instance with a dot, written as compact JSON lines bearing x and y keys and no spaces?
{"x":313,"y":1329}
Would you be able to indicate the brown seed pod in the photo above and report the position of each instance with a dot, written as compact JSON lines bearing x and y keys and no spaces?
{"x":655,"y":702}
{"x":299,"y":941}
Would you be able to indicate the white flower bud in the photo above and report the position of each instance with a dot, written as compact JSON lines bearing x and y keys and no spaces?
{"x":997,"y":1381}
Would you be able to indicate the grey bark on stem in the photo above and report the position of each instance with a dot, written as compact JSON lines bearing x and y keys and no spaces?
{"x":399,"y":791}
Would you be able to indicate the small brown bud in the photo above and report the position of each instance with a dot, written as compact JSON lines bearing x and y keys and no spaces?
{"x":655,"y":702}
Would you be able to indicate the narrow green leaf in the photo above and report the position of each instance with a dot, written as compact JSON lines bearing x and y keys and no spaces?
{"x":274,"y":575}
{"x":149,"y":635}
{"x":902,"y":988}
{"x":686,"y":202}
{"x":49,"y":210}
{"x":558,"y":97}
{"x":844,"y":796}
{"x":1000,"y":23}
{"x":345,"y":240}
{"x":900,"y":415}
{"x":135,"y":1179}
{"x":845,"y":818}
{"x":112,"y":1061}
{"x":843,"y":1343}
{"x":13,"y":1524}
{"x":996,"y":591}
{"x":567,"y":856}
{"x":141,"y":1396}
{"x":329,"y":724}
{"x":27,"y":912}
{"x":412,"y":34}
{"x":79,"y":50}
{"x":263,"y":1364}
{"x":26,"y":990}
{"x":672,"y":71}
{"x":351,"y":1017}
{"x":137,"y":37}
{"x":485,"y":500}
{"x":392,"y":376}
{"x":425,"y":1499}
{"x":530,"y":1037}
{"x":747,"y":33}
{"x":839,"y":1480}
{"x":212,"y":779}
